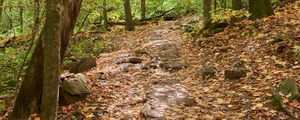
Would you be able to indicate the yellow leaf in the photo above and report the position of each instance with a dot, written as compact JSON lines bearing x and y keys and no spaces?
{"x":259,"y":105}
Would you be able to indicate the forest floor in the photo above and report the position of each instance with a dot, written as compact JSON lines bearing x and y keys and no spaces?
{"x":120,"y":94}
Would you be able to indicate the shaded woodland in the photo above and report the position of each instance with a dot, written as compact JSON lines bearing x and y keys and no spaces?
{"x":149,"y":59}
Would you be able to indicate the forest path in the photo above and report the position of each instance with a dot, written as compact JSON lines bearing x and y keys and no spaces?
{"x":119,"y":88}
{"x":125,"y":85}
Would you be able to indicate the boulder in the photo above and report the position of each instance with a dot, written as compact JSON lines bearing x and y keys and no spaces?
{"x":173,"y":65}
{"x":235,"y":74}
{"x":162,"y":50}
{"x":206,"y":72}
{"x":83,"y":65}
{"x":171,"y":16}
{"x":162,"y":96}
{"x":73,"y":88}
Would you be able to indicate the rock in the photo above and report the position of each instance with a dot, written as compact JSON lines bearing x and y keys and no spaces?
{"x":171,"y":16}
{"x":173,"y":65}
{"x":206,"y":72}
{"x":162,"y":50}
{"x":76,"y":86}
{"x":135,"y":60}
{"x":73,"y":88}
{"x":83,"y":65}
{"x":160,"y":97}
{"x":124,"y":67}
{"x":143,"y":66}
{"x":235,"y":74}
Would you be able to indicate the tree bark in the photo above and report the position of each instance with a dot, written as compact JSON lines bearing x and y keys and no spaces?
{"x":29,"y":96}
{"x":52,"y":42}
{"x":143,"y":9}
{"x":70,"y":15}
{"x":236,"y":4}
{"x":128,"y":16}
{"x":28,"y":100}
{"x":21,"y":19}
{"x":36,"y":23}
{"x":260,"y":8}
{"x":104,"y":12}
{"x":1,"y":8}
{"x":206,"y":10}
{"x":215,"y":4}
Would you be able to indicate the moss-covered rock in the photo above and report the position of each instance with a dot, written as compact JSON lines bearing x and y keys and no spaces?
{"x":235,"y":74}
{"x":287,"y":87}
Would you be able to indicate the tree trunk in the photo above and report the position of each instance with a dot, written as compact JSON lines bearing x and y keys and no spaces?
{"x":260,"y":8}
{"x":21,"y":19}
{"x":128,"y":17}
{"x":29,"y":96}
{"x":104,"y":11}
{"x":236,"y":4}
{"x":143,"y":9}
{"x":70,"y":15}
{"x":36,"y":23}
{"x":1,"y":5}
{"x":28,"y":100}
{"x":215,"y":4}
{"x":52,"y":42}
{"x":206,"y":10}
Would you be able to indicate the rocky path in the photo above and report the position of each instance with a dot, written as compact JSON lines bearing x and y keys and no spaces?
{"x":136,"y":82}
{"x":159,"y":73}
{"x":142,"y":83}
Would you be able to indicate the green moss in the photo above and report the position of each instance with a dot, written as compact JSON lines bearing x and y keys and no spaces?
{"x":289,"y":87}
{"x":276,"y":102}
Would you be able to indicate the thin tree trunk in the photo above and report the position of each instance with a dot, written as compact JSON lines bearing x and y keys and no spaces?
{"x":223,"y":4}
{"x":215,"y":4}
{"x":206,"y":10}
{"x":1,"y":8}
{"x":128,"y":16}
{"x":104,"y":12}
{"x":52,"y":42}
{"x":36,"y":23}
{"x":143,"y":9}
{"x":28,"y":100}
{"x":236,"y":4}
{"x":21,"y":19}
